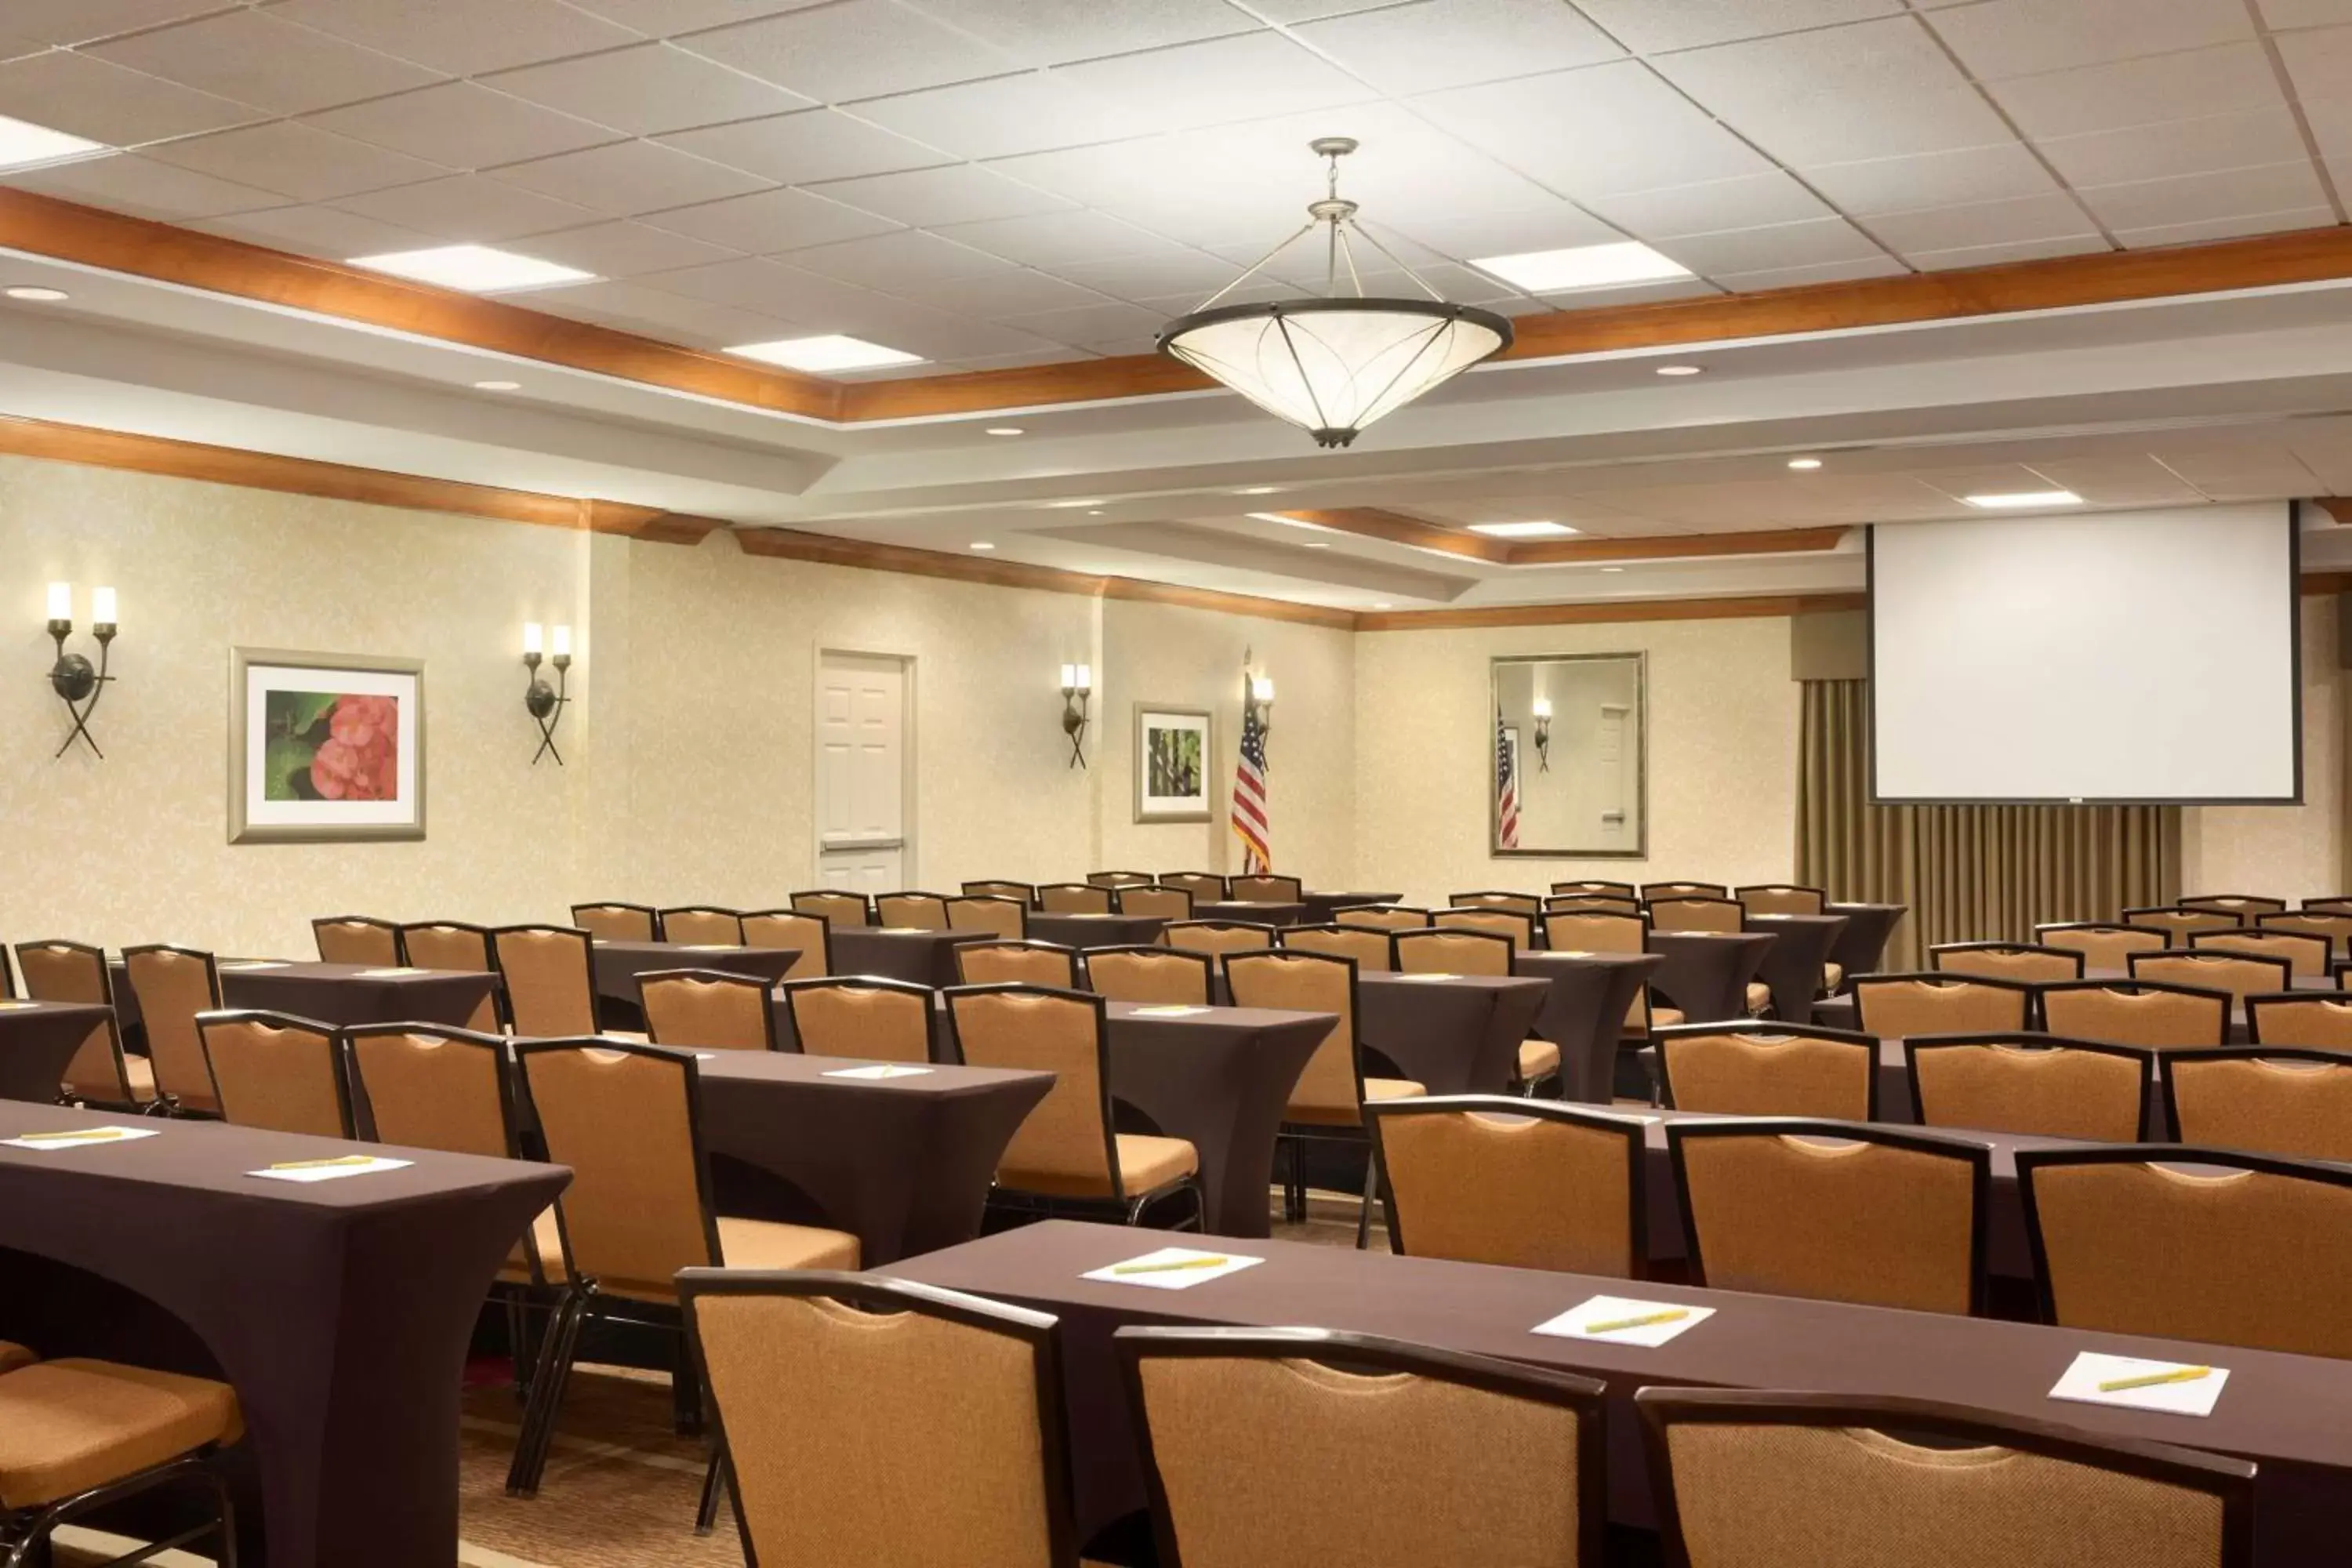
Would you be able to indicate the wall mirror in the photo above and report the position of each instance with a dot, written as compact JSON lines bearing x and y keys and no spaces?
{"x":1569,"y":753}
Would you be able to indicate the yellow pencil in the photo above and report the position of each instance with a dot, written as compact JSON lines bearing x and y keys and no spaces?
{"x":1674,"y":1315}
{"x":90,"y":1133}
{"x":1170,"y":1267}
{"x":2150,"y":1380}
{"x":322,"y":1164}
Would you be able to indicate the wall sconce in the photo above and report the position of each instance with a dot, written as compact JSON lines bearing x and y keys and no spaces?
{"x":1543,"y":733}
{"x":79,"y":686}
{"x":1077,"y":686}
{"x":546,"y":702}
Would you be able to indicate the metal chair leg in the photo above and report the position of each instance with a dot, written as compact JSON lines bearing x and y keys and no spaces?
{"x":1372,"y":1188}
{"x":546,"y":1397}
{"x":706,"y":1512}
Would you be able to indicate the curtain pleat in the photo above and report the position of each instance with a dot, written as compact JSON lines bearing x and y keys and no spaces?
{"x":1969,"y":873}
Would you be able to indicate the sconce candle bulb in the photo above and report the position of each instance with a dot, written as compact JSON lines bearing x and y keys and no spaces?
{"x":562,"y":647}
{"x":101,"y":607}
{"x":546,"y":703}
{"x":1542,"y":711}
{"x":61,"y":603}
{"x":77,"y":683}
{"x":532,"y":638}
{"x":1077,"y":690}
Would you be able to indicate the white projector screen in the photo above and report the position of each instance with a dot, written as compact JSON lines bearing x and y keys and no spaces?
{"x":2105,"y":658}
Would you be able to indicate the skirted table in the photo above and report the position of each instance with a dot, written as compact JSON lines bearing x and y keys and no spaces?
{"x":1793,"y":966}
{"x":1322,"y":906}
{"x":1861,"y":948}
{"x":1095,"y":930}
{"x":37,"y":1042}
{"x":343,"y":993}
{"x":1705,"y":974}
{"x":1452,"y":1034}
{"x":1584,"y":1012}
{"x":896,"y":952}
{"x":1251,"y":914}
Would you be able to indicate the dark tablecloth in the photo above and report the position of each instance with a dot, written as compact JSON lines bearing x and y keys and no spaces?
{"x":1792,"y":967}
{"x":618,"y":963}
{"x":1861,"y":948}
{"x":1096,"y":930}
{"x":1584,"y":1012}
{"x":1253,"y":913}
{"x":2283,"y":1412}
{"x":1705,"y":974}
{"x":340,"y":1311}
{"x":1322,"y":906}
{"x":37,"y":1041}
{"x":1458,"y":1035}
{"x":335,"y":992}
{"x":919,"y":957}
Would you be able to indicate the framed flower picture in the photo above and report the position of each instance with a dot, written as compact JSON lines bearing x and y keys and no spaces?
{"x":1172,"y":752}
{"x":324,"y":747}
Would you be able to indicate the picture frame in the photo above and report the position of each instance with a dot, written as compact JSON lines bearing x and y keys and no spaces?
{"x":324,"y":748}
{"x":1175,"y":753}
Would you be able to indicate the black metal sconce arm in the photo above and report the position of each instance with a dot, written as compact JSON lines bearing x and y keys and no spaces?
{"x":546,"y":703}
{"x":1074,"y":722}
{"x":79,"y":686}
{"x":1543,"y":745}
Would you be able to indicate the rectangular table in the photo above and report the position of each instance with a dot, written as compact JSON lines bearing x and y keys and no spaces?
{"x":1705,"y":974}
{"x":1584,"y":1012}
{"x":618,"y":963}
{"x":1322,"y":906}
{"x":1456,"y":1034}
{"x":340,"y":1311}
{"x":1861,"y":948}
{"x":341,"y":994}
{"x":37,"y":1042}
{"x":1096,"y":930}
{"x":1249,"y":913}
{"x":2283,"y":1412}
{"x":894,"y":953}
{"x":1792,"y":967}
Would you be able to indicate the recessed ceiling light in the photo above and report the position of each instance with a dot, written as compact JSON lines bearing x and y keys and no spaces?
{"x":36,"y":294}
{"x":1612,"y":568}
{"x":1521,"y":530}
{"x":1094,"y":511}
{"x":1314,"y":544}
{"x":828,"y":353}
{"x":1068,"y":505}
{"x":1257,"y":490}
{"x":1682,"y":370}
{"x":2015,"y":499}
{"x":498,"y":387}
{"x":1382,"y":604}
{"x":1581,"y":266}
{"x":475,"y":269}
{"x":23,"y":142}
{"x":1004,"y":430}
{"x":981,"y":544}
{"x":1804,"y":465}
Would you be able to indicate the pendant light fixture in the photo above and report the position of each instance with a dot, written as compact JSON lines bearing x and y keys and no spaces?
{"x":1334,"y":364}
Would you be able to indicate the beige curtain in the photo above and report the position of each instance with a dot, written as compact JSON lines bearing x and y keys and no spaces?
{"x":1969,"y":873}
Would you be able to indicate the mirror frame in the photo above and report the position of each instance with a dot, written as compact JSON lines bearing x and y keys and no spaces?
{"x":1640,"y":850}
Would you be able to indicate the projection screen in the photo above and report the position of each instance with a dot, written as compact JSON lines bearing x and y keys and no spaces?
{"x":2111,"y":657}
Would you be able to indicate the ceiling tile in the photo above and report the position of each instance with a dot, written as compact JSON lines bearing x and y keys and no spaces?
{"x":2186,"y":86}
{"x":630,"y":177}
{"x":252,"y":57}
{"x":799,"y":149}
{"x":1748,"y":202}
{"x":1779,"y":245}
{"x":624,"y":250}
{"x":2177,"y":147}
{"x":127,"y":181}
{"x":461,"y":37}
{"x":955,"y":193}
{"x":296,"y":160}
{"x":1279,"y":11}
{"x":647,"y":90}
{"x":319,"y":231}
{"x":749,"y":283}
{"x":1002,"y":295}
{"x":2237,"y":470}
{"x":851,"y":49}
{"x":2132,"y":480}
{"x":1253,"y":75}
{"x":2212,"y":229}
{"x":1589,"y":133}
{"x":2054,"y":216}
{"x":1469,"y":237}
{"x":84,"y":96}
{"x":1429,"y":45}
{"x":2320,"y":63}
{"x":1056,"y":239}
{"x":673,"y":318}
{"x":471,"y":209}
{"x":2002,"y":255}
{"x":1814,"y":98}
{"x":1654,"y":26}
{"x":1191,"y":273}
{"x":2005,"y":172}
{"x":81,"y":21}
{"x":1200,"y":187}
{"x":462,"y":125}
{"x":2285,"y":13}
{"x":907,"y":260}
{"x":2015,"y":37}
{"x":2195,"y":198}
{"x":1053,"y":32}
{"x":1035,"y":111}
{"x":1798,"y":277}
{"x":664,"y":18}
{"x":770,"y":221}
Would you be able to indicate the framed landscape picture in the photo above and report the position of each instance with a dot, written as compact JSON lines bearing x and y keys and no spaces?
{"x":324,"y":747}
{"x":1173,"y":752}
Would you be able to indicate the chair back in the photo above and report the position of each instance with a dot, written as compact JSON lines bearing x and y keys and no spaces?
{"x":1694,"y":913}
{"x":1893,"y":1005}
{"x":1206,"y":887}
{"x":838,"y":908}
{"x":2177,"y":922}
{"x":617,"y":922}
{"x":2111,"y":1227}
{"x":701,"y":926}
{"x":1596,"y":885}
{"x":1017,"y":962}
{"x":2270,"y":1099}
{"x":2248,"y":907}
{"x":1776,"y":1207}
{"x":2240,"y":974}
{"x":173,"y":985}
{"x":1026,"y":892}
{"x":1382,"y":917}
{"x":627,"y":1120}
{"x":2328,"y":904}
{"x":1063,"y":1146}
{"x":1781,"y":899}
{"x":1243,"y":1429}
{"x":1765,"y":1477}
{"x":2136,"y":1012}
{"x":2104,"y":945}
{"x":1370,"y":949}
{"x":2333,"y":929}
{"x":871,"y":1363}
{"x":1770,"y":1070}
{"x":1156,"y":903}
{"x":280,"y":1073}
{"x":1265,"y":889}
{"x":706,"y":1010}
{"x":550,"y":974}
{"x":992,"y":912}
{"x":1154,"y":976}
{"x":810,"y":936}
{"x":425,"y":1087}
{"x":59,"y":971}
{"x":1523,"y":1184}
{"x":2018,"y":1081}
{"x":2312,"y":1019}
{"x":357,"y":939}
{"x":454,"y":945}
{"x":861,"y":1016}
{"x":1519,"y":929}
{"x":1614,"y":903}
{"x":1217,"y":936}
{"x":1074,"y":899}
{"x":1652,"y":891}
{"x":1118,"y":878}
{"x":1598,"y":931}
{"x":1443,"y":952}
{"x":1527,"y":904}
{"x":1331,"y":1089}
{"x":2306,"y":955}
{"x":2007,"y":961}
{"x":911,"y":911}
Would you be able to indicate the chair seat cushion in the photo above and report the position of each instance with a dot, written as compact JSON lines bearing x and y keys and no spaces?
{"x":14,"y":1355}
{"x":71,"y":1424}
{"x":550,"y":1240}
{"x":1759,"y":995}
{"x":1147,"y":1164}
{"x":1537,"y":1059}
{"x":1345,"y":1116}
{"x":770,"y":1244}
{"x":1833,"y":977}
{"x":1660,"y":1018}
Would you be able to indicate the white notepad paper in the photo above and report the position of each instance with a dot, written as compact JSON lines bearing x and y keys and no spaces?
{"x":1592,"y":1320}
{"x":878,"y":1070}
{"x":2184,"y":1394}
{"x":1172,"y":1269}
{"x":1168,"y":1011}
{"x":78,"y":1138}
{"x":254,"y":963}
{"x":1429,"y":976}
{"x":366,"y":1166}
{"x":389,"y":973}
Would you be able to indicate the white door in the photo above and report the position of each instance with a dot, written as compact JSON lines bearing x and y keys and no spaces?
{"x":861,"y":755}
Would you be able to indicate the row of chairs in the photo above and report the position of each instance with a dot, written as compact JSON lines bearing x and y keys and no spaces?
{"x":2172,"y":1001}
{"x":984,"y":906}
{"x":457,"y":945}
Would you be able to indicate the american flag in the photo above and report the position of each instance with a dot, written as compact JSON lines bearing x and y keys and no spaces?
{"x":1506,"y":790}
{"x":1251,"y":824}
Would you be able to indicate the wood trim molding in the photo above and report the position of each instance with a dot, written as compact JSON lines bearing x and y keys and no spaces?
{"x":1605,"y":613}
{"x":1677,"y":546}
{"x":1398,"y":528}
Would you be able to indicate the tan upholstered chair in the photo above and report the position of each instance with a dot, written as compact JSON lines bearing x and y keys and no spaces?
{"x":1074,"y":899}
{"x":1206,"y":887}
{"x":810,"y":936}
{"x":1691,"y":912}
{"x":2112,"y":1228}
{"x":706,"y":1010}
{"x":2177,"y":922}
{"x":2137,"y":1013}
{"x":2333,"y":929}
{"x":1065,"y":1152}
{"x":1833,"y":1481}
{"x":1217,"y":936}
{"x":2248,"y":907}
{"x":1244,"y":1432}
{"x":618,"y":922}
{"x":2007,"y":961}
{"x":839,"y":909}
{"x":1370,"y":949}
{"x":1156,"y":903}
{"x":2330,"y":904}
{"x":1838,"y":1211}
{"x":872,"y":1363}
{"x":1595,"y":885}
{"x":861,"y":1016}
{"x":1153,"y":976}
{"x":702,"y":926}
{"x":1382,"y":917}
{"x":173,"y":985}
{"x":1118,"y":878}
{"x":1893,"y":1005}
{"x":1518,"y":927}
{"x":2312,"y":1019}
{"x":1775,"y":1069}
{"x":2104,"y":945}
{"x":277,"y":1072}
{"x":1001,"y":917}
{"x":1458,"y":951}
{"x":1781,"y":899}
{"x":1607,"y":930}
{"x":2306,"y":955}
{"x":1026,"y":892}
{"x":1021,"y":963}
{"x":1527,"y":904}
{"x":100,"y":1072}
{"x":1652,"y":891}
{"x":357,"y":939}
{"x":1491,"y":1179}
{"x":628,"y":1119}
{"x":2272,"y":1099}
{"x":454,"y":945}
{"x":2018,"y":1081}
{"x":911,"y":911}
{"x":549,"y":975}
{"x":2239,"y":975}
{"x":1571,"y":903}
{"x":1265,"y":889}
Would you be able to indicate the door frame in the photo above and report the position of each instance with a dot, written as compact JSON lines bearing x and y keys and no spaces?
{"x":909,"y":816}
